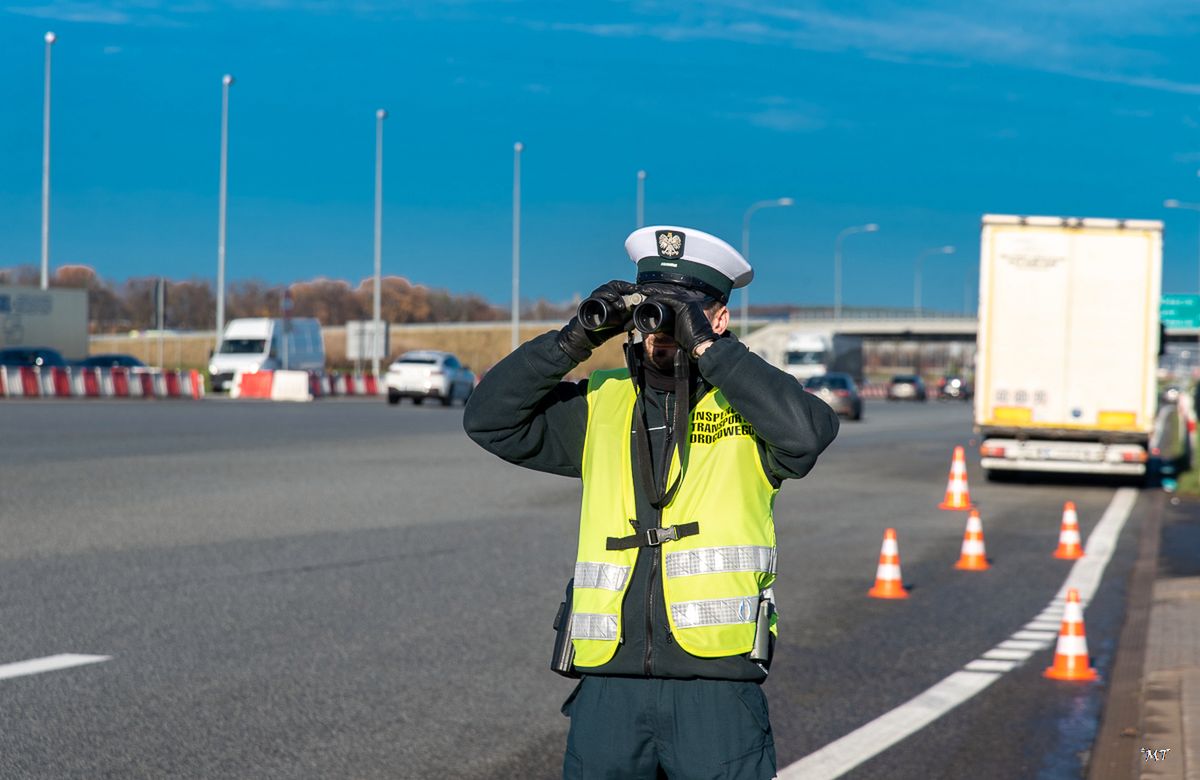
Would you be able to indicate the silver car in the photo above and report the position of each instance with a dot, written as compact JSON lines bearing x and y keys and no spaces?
{"x":429,"y":373}
{"x":839,"y":391}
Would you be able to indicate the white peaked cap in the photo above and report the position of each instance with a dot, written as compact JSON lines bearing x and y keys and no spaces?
{"x":693,"y":258}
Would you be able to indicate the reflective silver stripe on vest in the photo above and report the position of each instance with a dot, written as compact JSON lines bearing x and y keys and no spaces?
{"x":712,"y":560}
{"x":585,"y":625}
{"x":715,"y":612}
{"x":606,"y":576}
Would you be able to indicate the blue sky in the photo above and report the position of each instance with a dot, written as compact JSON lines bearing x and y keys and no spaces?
{"x":917,"y":116}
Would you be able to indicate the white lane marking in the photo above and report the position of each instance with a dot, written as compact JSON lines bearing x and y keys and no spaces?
{"x":1008,"y":654}
{"x":989,"y":665}
{"x":1035,"y":636}
{"x":1042,"y":625}
{"x":888,"y":729}
{"x":50,"y":663}
{"x":865,"y":742}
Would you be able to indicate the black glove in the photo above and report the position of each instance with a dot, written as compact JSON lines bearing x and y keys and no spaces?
{"x":692,"y":327}
{"x":577,"y":341}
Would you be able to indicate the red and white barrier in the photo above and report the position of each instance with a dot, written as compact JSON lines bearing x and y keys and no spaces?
{"x":77,"y":382}
{"x":117,"y":382}
{"x":354,"y":384}
{"x":272,"y":385}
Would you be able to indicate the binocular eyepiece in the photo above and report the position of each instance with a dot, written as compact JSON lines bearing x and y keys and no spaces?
{"x":651,"y":316}
{"x":597,"y":313}
{"x":648,"y":315}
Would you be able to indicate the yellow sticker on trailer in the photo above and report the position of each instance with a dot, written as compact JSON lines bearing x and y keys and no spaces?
{"x":1116,"y":419}
{"x":1012,"y":414}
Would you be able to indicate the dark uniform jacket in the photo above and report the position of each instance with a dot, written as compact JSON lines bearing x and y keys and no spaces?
{"x":525,"y":414}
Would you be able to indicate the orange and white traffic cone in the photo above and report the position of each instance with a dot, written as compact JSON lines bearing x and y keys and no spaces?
{"x":1071,"y":654}
{"x":957,"y":494}
{"x":887,"y":577}
{"x":1068,"y":536}
{"x":973,"y":556}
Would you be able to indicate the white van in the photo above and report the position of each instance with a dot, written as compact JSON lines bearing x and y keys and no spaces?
{"x":260,"y":343}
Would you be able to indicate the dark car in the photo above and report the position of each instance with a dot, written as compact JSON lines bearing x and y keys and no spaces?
{"x":110,"y":361}
{"x":906,"y":387}
{"x":39,"y":357}
{"x":839,"y":391}
{"x":951,"y":387}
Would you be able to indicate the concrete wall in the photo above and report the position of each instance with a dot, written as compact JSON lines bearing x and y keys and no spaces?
{"x":58,"y":318}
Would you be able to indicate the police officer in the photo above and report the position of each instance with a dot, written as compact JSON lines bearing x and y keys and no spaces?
{"x":681,"y":454}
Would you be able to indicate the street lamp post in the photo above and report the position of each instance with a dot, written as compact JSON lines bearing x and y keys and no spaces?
{"x":938,"y":250}
{"x":377,"y":340}
{"x":837,"y":263}
{"x":226,"y":82}
{"x":50,"y":39}
{"x":762,"y":204}
{"x":516,"y":245}
{"x":641,"y":198}
{"x":1172,"y":203}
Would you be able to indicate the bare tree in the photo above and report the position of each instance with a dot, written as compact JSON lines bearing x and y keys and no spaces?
{"x":105,"y":312}
{"x":191,"y":305}
{"x":137,"y":298}
{"x":21,"y":276}
{"x":329,"y":300}
{"x":254,"y":298}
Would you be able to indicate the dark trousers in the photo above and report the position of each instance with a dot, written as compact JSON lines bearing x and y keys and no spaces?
{"x":648,"y":728}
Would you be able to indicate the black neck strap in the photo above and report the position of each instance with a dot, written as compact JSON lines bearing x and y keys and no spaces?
{"x":659,"y":496}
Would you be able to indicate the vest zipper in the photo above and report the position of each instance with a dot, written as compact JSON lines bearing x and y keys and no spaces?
{"x":668,"y":424}
{"x":648,"y":665}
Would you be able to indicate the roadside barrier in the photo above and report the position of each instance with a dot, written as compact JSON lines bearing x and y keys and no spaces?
{"x":888,"y":584}
{"x":79,"y":382}
{"x":1071,"y":654}
{"x":252,"y":384}
{"x":1068,"y":535}
{"x":303,"y":386}
{"x":957,"y":494}
{"x":973,"y":556}
{"x":290,"y":386}
{"x":353,"y":384}
{"x":880,"y":392}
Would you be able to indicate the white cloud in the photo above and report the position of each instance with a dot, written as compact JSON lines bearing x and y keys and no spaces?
{"x":1080,"y":39}
{"x":94,"y":13}
{"x":782,"y":114}
{"x":144,"y":13}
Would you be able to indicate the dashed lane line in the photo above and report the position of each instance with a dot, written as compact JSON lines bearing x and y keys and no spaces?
{"x":842,"y":755}
{"x":51,"y":663}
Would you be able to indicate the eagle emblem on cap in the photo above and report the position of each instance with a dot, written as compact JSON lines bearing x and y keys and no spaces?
{"x":670,"y":244}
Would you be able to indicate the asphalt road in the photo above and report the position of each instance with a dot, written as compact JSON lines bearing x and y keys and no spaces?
{"x":347,"y":589}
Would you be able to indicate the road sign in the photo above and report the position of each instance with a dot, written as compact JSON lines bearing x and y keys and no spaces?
{"x":364,"y":342}
{"x":1180,"y":311}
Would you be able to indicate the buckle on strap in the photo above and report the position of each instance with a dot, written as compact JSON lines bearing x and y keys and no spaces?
{"x":653,"y":537}
{"x":656,"y":536}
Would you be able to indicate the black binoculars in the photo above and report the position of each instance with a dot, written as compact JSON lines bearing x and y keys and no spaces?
{"x":648,"y":315}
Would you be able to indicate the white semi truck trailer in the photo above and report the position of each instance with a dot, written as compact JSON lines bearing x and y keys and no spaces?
{"x":1068,"y":344}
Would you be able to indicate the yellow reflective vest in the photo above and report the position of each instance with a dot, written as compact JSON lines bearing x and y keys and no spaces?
{"x":711,"y":581}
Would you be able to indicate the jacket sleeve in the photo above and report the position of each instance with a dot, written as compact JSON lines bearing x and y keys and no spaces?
{"x":793,"y":425}
{"x":522,"y":411}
